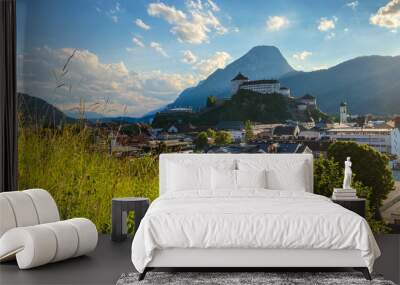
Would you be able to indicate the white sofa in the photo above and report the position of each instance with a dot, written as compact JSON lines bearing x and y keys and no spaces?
{"x":31,"y":231}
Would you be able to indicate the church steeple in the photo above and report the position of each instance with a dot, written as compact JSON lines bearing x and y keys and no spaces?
{"x":343,"y":113}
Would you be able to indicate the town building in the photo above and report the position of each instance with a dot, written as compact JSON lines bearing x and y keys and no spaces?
{"x":285,"y":91}
{"x":385,"y":140}
{"x":308,"y":125}
{"x":237,"y":81}
{"x":181,"y":128}
{"x":236,"y":149}
{"x":285,"y":147}
{"x":301,"y":107}
{"x":310,"y":134}
{"x":287,"y":131}
{"x":343,"y":113}
{"x":319,"y":148}
{"x":235,"y":128}
{"x":293,"y":147}
{"x":172,"y":129}
{"x":177,"y":110}
{"x":307,"y":100}
{"x":263,"y":86}
{"x":264,"y":131}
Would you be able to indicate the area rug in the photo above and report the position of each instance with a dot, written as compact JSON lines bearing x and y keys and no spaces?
{"x":244,"y":278}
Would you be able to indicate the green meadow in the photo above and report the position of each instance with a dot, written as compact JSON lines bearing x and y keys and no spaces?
{"x":80,"y":174}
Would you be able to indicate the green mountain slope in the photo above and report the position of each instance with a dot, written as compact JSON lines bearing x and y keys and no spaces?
{"x":36,"y":111}
{"x":245,"y":105}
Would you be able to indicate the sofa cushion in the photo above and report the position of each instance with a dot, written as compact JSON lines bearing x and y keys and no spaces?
{"x":24,"y":210}
{"x":7,"y":220}
{"x":45,"y":205}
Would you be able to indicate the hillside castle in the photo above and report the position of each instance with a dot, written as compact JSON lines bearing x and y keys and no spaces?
{"x":271,"y":86}
{"x":264,"y":86}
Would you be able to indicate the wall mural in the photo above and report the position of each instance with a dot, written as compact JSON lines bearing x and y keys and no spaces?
{"x":104,"y":87}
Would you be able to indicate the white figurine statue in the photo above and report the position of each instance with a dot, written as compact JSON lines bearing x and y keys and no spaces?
{"x":347,"y":174}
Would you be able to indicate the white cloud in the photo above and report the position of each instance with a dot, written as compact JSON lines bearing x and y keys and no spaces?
{"x":387,"y":16}
{"x":346,"y":30}
{"x":213,"y":6}
{"x":137,"y":42}
{"x":325,"y":24}
{"x":114,"y":12}
{"x":314,"y":68}
{"x":276,"y":23}
{"x":353,"y":4}
{"x":117,"y":7}
{"x":209,"y":65}
{"x":195,"y":4}
{"x":96,"y":82}
{"x":193,"y":29}
{"x":302,"y":55}
{"x":169,"y":13}
{"x":158,"y":48}
{"x":330,"y":36}
{"x":114,"y":18}
{"x":189,"y":57}
{"x":142,"y":24}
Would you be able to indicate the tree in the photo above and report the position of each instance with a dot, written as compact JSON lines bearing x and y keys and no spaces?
{"x":370,"y":167}
{"x":223,"y":138}
{"x":328,"y":175}
{"x":211,"y":133}
{"x":161,"y":148}
{"x":249,"y":135}
{"x":201,"y":141}
{"x":211,"y":101}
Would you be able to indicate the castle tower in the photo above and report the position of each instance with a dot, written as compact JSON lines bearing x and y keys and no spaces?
{"x":235,"y":82}
{"x":343,"y":113}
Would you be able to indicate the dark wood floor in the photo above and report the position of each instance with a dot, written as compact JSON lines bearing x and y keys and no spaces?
{"x":103,"y":266}
{"x":110,"y":260}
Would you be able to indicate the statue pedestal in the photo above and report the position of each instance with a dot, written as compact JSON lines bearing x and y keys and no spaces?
{"x":356,"y":205}
{"x":344,"y":194}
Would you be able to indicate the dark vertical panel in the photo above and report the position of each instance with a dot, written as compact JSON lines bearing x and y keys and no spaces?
{"x":8,"y":98}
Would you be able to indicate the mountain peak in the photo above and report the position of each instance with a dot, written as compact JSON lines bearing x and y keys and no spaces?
{"x":263,"y":58}
{"x":260,"y":62}
{"x":263,"y":48}
{"x":264,"y":51}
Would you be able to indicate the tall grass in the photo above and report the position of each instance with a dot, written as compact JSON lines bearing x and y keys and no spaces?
{"x":80,"y":174}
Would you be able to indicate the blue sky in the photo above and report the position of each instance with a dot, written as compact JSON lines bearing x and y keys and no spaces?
{"x":139,"y":55}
